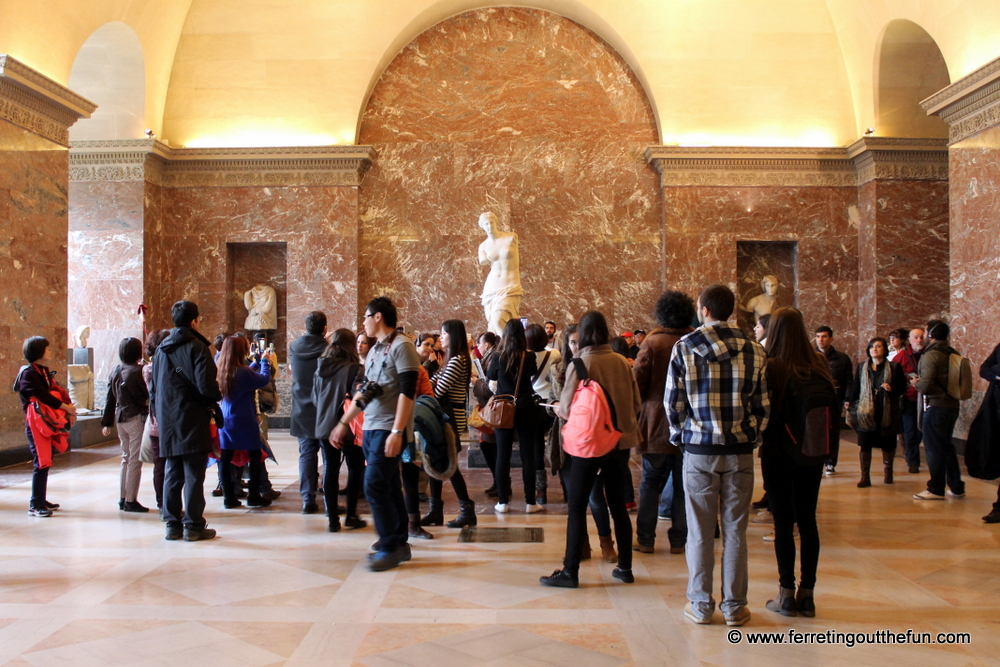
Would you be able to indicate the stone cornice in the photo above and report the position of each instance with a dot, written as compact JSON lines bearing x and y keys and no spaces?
{"x":889,"y":158}
{"x":38,"y":104}
{"x":971,"y":104}
{"x":747,"y":167}
{"x":147,"y":159}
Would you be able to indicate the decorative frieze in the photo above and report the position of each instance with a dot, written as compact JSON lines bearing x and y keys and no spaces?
{"x":148,"y":159}
{"x":970,"y":105}
{"x":887,"y":158}
{"x":38,"y":104}
{"x":747,"y":167}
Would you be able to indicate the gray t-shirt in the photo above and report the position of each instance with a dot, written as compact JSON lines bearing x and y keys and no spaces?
{"x":383,"y":365}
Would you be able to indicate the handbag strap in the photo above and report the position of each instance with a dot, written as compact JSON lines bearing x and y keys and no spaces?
{"x":541,"y":369}
{"x":517,"y":382}
{"x":581,"y":369}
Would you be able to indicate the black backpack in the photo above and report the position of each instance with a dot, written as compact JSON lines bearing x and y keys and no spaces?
{"x":812,"y":419}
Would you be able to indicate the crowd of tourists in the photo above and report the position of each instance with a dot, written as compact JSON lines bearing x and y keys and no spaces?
{"x":697,"y":397}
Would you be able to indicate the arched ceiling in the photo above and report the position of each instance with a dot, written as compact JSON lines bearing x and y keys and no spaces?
{"x":909,"y":69}
{"x":722,"y":72}
{"x":109,"y":71}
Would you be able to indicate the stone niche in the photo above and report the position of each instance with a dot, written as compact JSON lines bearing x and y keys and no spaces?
{"x":250,"y":264}
{"x":756,"y":259}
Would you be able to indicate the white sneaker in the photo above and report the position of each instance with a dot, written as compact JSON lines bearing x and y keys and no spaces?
{"x":829,"y":470}
{"x":764,"y":516}
{"x":532,"y":509}
{"x":927,"y":495}
{"x":953,"y":495}
{"x":501,"y":508}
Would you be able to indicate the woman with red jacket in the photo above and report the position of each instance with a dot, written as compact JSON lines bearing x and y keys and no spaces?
{"x":39,"y":390}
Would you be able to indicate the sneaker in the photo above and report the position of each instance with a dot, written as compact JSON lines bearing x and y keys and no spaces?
{"x":560,"y":579}
{"x":134,"y":506}
{"x":623,"y":575}
{"x":950,"y":494}
{"x":829,"y":470}
{"x":692,"y":616}
{"x":763,"y":516}
{"x":643,"y":548}
{"x":501,"y":508}
{"x":992,"y":517}
{"x":52,"y":506}
{"x":663,"y":517}
{"x":197,"y":534}
{"x":535,"y":508}
{"x":310,"y":507}
{"x":927,"y":495}
{"x":39,"y":511}
{"x":738,"y":618}
{"x":174,"y":533}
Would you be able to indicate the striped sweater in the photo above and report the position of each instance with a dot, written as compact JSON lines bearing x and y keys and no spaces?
{"x":452,"y":382}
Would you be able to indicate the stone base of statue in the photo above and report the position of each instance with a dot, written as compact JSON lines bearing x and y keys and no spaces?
{"x":81,"y":387}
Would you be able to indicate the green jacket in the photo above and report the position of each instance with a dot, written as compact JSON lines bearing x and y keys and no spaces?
{"x":933,"y":376}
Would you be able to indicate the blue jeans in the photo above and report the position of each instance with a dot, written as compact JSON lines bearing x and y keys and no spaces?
{"x":942,"y":460}
{"x":717,"y":487}
{"x":656,"y":469}
{"x":384,"y":492}
{"x":309,"y":449}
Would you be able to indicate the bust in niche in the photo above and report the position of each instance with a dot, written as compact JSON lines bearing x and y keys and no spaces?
{"x":764,"y":303}
{"x":81,"y":336}
{"x":502,"y":291}
{"x":261,"y":302}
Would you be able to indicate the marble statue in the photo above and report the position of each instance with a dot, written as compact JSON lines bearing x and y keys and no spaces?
{"x":82,"y":335}
{"x":502,"y":290}
{"x":81,"y":387}
{"x":262,"y":303}
{"x":764,"y":303}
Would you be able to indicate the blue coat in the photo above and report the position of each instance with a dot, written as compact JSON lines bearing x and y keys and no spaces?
{"x":241,"y":430}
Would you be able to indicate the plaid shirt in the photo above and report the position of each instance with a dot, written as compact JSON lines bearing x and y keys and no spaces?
{"x":716,"y":392}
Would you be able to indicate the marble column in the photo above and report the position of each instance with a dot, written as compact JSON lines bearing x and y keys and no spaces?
{"x":971,"y":107}
{"x":113,"y":205}
{"x":902,"y":233}
{"x":35,"y":116}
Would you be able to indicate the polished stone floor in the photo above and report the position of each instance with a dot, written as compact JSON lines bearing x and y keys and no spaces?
{"x":94,"y":586}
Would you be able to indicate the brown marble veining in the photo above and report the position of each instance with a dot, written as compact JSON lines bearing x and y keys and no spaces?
{"x":529,"y":115}
{"x":33,"y":212}
{"x":974,"y":167}
{"x":190,"y":256}
{"x":902,"y":255}
{"x":704,"y":226}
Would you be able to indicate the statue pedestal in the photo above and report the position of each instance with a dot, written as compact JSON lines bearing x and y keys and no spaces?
{"x":82,"y":355}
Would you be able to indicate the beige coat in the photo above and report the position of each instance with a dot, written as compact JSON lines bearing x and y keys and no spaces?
{"x":612,"y":372}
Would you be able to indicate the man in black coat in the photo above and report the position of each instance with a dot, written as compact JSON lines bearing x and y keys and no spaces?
{"x":842,"y":370}
{"x":182,"y":393}
{"x":303,"y":355}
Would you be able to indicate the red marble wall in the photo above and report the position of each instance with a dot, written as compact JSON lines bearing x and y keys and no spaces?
{"x":33,"y":213}
{"x":529,"y":115}
{"x":106,"y":247}
{"x":902,"y":255}
{"x":703,"y":225}
{"x":318,"y":225}
{"x":974,"y":172}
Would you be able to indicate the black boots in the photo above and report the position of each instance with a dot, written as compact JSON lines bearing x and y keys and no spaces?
{"x":805,"y":603}
{"x":466,"y":515}
{"x":866,"y":468}
{"x":435,"y":515}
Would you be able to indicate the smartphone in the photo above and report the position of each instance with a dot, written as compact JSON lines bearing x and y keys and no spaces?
{"x":525,"y":322}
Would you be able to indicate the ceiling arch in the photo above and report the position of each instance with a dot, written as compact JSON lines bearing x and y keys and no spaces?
{"x":110,"y":70}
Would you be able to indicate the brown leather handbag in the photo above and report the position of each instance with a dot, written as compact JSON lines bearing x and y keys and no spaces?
{"x":499,"y":410}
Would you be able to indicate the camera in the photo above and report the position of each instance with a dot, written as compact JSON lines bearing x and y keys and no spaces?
{"x":368,"y":390}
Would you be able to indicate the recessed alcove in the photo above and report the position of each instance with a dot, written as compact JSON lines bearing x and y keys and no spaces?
{"x":250,"y":264}
{"x":757,"y":259}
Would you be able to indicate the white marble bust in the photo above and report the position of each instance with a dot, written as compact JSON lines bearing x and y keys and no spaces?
{"x":81,"y":336}
{"x":261,"y":302}
{"x":502,"y":291}
{"x":764,"y":303}
{"x":81,"y":387}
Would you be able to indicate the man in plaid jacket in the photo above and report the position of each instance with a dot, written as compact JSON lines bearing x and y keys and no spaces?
{"x":717,"y":407}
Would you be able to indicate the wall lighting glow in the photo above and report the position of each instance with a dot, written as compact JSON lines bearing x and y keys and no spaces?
{"x":808,"y":139}
{"x":265,"y":139}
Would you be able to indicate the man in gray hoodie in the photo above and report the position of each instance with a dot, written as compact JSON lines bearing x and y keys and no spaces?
{"x":303,"y":354}
{"x":717,"y":407}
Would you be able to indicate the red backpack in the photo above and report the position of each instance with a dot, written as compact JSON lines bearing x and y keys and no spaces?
{"x":590,"y":430}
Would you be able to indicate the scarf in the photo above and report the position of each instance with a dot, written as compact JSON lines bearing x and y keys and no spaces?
{"x":871,"y":394}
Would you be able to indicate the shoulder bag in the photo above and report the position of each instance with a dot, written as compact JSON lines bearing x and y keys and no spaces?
{"x":499,"y":410}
